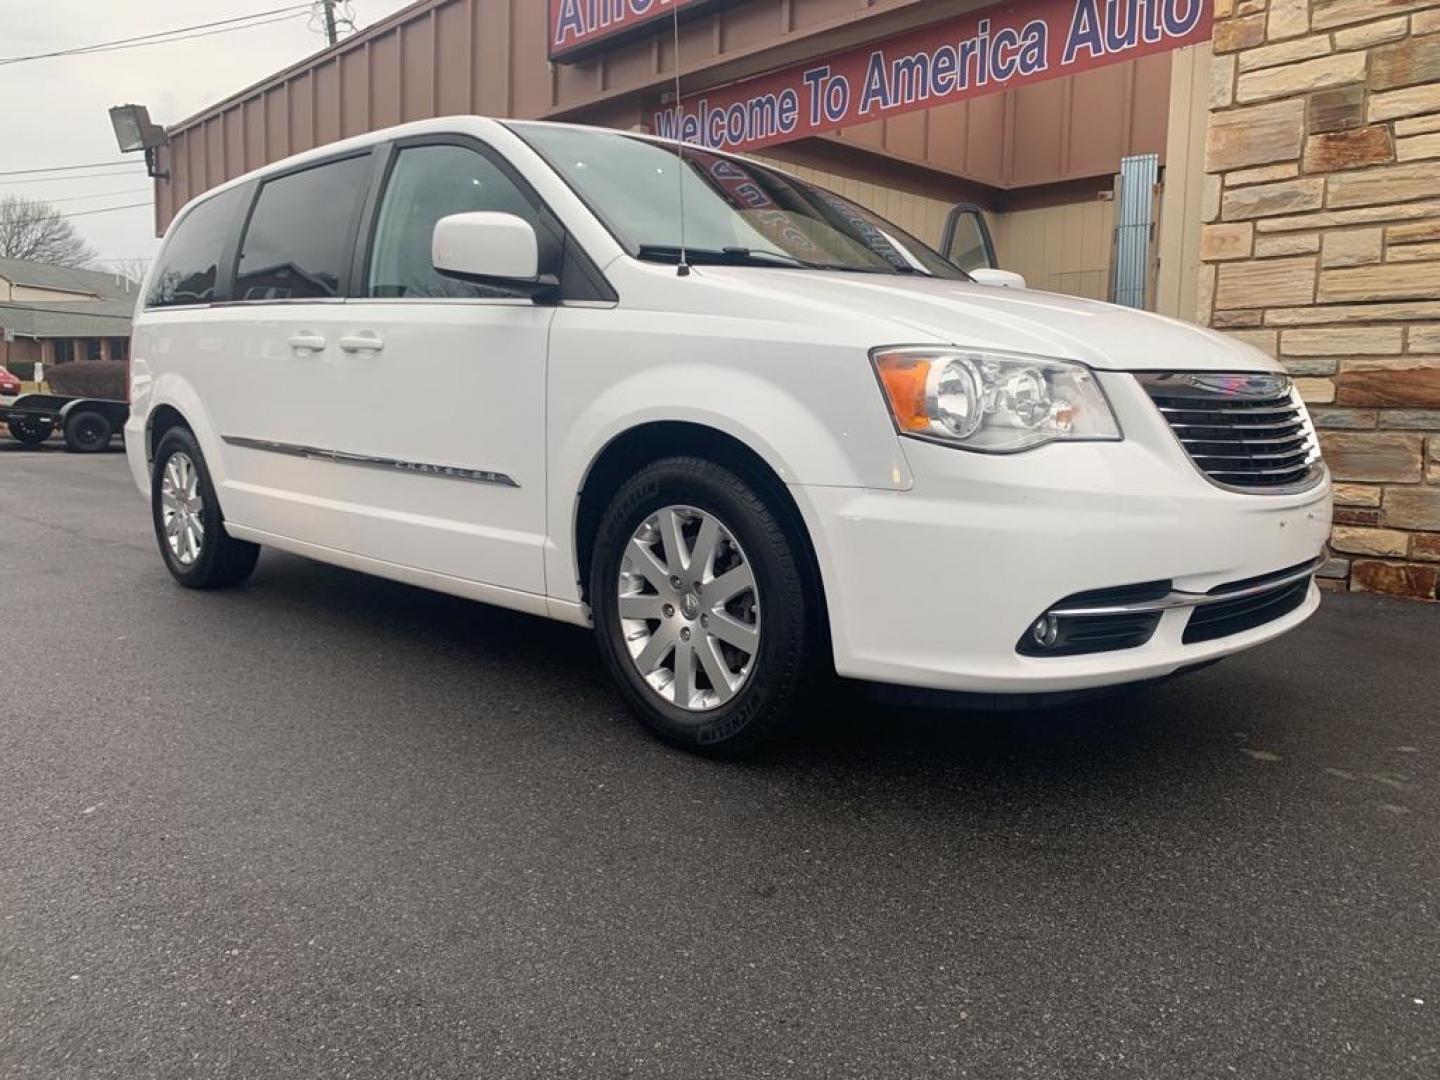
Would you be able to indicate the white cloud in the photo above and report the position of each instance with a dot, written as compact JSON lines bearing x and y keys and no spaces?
{"x":54,"y":112}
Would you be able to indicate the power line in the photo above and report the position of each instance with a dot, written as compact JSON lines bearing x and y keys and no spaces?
{"x":79,"y":213}
{"x":74,"y":176}
{"x":184,"y":33}
{"x":105,"y":210}
{"x":96,"y":195}
{"x":68,"y":168}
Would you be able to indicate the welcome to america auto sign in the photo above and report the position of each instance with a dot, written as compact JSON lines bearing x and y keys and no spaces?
{"x":1010,"y":45}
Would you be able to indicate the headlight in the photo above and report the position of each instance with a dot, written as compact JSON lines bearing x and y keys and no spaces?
{"x":991,"y":401}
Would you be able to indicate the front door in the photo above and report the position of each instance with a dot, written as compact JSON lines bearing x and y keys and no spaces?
{"x":437,"y":422}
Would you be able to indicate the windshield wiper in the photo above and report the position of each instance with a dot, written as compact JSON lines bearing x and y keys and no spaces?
{"x":726,"y":256}
{"x":889,"y":270}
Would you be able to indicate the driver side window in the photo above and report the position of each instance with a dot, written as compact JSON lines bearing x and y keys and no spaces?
{"x":426,"y":184}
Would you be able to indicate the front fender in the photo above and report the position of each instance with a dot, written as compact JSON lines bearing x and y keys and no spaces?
{"x":777,"y":425}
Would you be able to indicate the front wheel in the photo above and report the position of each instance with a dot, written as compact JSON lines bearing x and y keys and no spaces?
{"x":197,"y":550}
{"x":702,"y":607}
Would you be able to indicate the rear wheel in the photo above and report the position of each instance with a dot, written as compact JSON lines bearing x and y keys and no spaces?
{"x":197,"y":550}
{"x":30,"y":430}
{"x":88,"y":432}
{"x":701,"y":607}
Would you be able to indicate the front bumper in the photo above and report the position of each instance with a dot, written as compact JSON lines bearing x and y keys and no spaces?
{"x":933,"y":587}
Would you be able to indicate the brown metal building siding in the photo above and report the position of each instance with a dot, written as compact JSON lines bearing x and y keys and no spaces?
{"x":440,"y":57}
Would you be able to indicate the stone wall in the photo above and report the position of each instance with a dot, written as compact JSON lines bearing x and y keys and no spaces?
{"x":1322,"y":247}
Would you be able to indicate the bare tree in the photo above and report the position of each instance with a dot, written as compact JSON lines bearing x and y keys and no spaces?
{"x":35,"y":230}
{"x":133,"y":269}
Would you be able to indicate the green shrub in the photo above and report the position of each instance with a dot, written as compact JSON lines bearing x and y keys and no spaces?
{"x":88,"y":378}
{"x":24,"y":370}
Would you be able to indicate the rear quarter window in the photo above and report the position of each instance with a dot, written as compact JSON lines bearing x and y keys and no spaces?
{"x":189,"y":266}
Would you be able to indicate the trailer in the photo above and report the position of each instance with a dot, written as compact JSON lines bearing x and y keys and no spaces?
{"x":87,"y":423}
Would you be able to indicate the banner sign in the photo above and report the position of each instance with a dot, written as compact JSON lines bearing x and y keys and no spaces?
{"x":576,"y":25}
{"x":984,"y":52}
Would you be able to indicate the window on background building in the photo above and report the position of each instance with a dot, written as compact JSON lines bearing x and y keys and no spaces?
{"x":64,"y":350}
{"x":296,"y":245}
{"x":119,"y":348}
{"x":92,"y":349}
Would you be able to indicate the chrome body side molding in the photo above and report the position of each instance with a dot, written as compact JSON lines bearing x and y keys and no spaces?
{"x":344,"y":457}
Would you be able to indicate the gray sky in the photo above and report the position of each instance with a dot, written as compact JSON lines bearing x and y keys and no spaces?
{"x":54,"y":111}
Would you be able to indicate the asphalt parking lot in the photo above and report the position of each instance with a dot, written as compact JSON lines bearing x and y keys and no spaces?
{"x":332,"y":826}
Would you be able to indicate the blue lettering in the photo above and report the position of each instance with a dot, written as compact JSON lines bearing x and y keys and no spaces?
{"x":789,"y":111}
{"x":1034,"y":39}
{"x":816,"y":79}
{"x":1002,"y":53}
{"x":910,"y":79}
{"x":1084,"y":32}
{"x":942,"y":71}
{"x":877,"y":86}
{"x":837,"y":99}
{"x":665,"y":124}
{"x":571,"y":23}
{"x":1122,"y":24}
{"x":1151,"y":28}
{"x":968,"y":49}
{"x":735,"y":123}
{"x":1175,"y":25}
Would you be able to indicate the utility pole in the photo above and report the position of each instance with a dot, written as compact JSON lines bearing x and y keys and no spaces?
{"x":329,"y":7}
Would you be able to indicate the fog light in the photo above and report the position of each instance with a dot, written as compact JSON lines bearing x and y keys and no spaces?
{"x":1046,"y":631}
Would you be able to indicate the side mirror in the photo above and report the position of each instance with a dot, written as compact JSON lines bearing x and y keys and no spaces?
{"x":490,"y":249}
{"x":1000,"y":279}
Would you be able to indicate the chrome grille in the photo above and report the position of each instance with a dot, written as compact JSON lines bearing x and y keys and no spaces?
{"x":1244,"y":432}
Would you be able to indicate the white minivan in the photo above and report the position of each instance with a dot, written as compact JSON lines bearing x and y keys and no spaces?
{"x":743,"y":427}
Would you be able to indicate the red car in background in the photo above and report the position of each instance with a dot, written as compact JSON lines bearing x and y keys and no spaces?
{"x":9,"y":384}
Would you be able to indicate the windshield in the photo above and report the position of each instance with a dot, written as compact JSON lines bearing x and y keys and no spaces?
{"x":736,"y":211}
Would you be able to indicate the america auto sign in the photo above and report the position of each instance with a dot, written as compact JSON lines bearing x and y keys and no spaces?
{"x":577,"y":25}
{"x":983,"y":52}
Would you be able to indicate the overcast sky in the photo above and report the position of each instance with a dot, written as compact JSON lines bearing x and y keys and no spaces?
{"x":55,"y":111}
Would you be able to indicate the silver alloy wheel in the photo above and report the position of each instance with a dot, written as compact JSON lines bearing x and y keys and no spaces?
{"x":689,"y":608}
{"x":181,"y":508}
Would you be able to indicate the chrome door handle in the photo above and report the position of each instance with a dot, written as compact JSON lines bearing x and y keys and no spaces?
{"x":354,"y":343}
{"x":306,"y":342}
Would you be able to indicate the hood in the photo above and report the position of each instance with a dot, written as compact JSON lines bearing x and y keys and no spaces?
{"x":926,"y":310}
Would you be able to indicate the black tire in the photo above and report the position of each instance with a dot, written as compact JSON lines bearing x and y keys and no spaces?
{"x":222,"y":561}
{"x":87,"y":431}
{"x":790,"y":612}
{"x":30,"y":431}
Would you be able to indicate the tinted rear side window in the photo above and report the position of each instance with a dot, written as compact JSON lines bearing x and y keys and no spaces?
{"x":190,"y":264}
{"x":297,"y":244}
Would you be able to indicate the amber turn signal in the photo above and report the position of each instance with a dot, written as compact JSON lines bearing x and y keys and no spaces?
{"x":904,"y":375}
